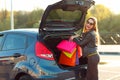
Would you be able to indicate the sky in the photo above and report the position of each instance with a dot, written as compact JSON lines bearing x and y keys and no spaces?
{"x":33,"y":4}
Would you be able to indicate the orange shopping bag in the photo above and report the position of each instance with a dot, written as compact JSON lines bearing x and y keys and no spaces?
{"x":79,"y":50}
{"x":64,"y":60}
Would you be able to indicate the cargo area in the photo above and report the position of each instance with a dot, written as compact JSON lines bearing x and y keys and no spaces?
{"x":52,"y":41}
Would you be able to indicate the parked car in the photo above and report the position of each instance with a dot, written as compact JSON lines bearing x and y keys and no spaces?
{"x":31,"y":54}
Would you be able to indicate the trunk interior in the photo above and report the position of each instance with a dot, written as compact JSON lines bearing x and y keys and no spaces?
{"x":52,"y":41}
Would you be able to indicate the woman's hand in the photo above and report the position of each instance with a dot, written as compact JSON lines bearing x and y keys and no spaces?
{"x":72,"y":37}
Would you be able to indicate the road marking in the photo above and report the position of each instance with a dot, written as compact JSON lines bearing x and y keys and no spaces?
{"x":110,"y":63}
{"x":109,"y":71}
{"x":70,"y":78}
{"x":112,"y":78}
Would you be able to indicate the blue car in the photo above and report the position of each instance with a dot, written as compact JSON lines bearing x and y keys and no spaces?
{"x":31,"y":54}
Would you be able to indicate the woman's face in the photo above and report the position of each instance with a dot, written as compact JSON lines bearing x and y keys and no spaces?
{"x":89,"y":24}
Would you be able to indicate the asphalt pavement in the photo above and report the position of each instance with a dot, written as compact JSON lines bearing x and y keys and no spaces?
{"x":109,"y":67}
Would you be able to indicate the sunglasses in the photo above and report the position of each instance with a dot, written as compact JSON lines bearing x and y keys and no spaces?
{"x":90,"y":23}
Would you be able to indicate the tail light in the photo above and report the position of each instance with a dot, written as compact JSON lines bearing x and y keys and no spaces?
{"x":42,"y":51}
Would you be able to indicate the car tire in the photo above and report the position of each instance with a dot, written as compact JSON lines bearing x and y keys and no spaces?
{"x":26,"y":77}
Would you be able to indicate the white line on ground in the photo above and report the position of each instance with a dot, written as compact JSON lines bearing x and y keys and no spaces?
{"x":109,"y":71}
{"x":70,"y":78}
{"x":112,"y":78}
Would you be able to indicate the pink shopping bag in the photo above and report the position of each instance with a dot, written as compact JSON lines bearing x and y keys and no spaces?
{"x":66,"y":45}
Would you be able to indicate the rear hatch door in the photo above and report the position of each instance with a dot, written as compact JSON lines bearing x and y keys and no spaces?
{"x":65,"y":16}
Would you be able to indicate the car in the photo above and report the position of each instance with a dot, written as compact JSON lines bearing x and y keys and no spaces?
{"x":31,"y":54}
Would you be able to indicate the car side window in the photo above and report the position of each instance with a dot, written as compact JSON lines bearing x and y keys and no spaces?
{"x":30,"y":40}
{"x":1,"y":39}
{"x":14,"y":41}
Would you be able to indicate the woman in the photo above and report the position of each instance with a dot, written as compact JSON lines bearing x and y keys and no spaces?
{"x":89,"y":42}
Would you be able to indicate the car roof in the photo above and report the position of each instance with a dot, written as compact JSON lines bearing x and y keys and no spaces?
{"x":29,"y":31}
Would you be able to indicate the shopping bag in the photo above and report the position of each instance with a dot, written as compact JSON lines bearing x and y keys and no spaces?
{"x":77,"y":58}
{"x":78,"y":54}
{"x":66,"y":45}
{"x":69,"y":55}
{"x":64,"y":60}
{"x":79,"y":50}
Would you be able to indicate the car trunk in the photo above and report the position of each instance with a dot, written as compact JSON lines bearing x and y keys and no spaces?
{"x":59,"y":21}
{"x":52,"y":40}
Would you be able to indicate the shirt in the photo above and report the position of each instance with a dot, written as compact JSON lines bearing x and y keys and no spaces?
{"x":88,"y":42}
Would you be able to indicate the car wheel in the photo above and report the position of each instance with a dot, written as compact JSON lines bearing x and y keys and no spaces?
{"x":25,"y":77}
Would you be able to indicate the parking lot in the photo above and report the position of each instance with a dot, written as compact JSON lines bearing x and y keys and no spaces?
{"x":109,"y":67}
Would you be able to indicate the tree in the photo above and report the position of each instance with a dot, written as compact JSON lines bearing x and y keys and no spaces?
{"x":103,"y":15}
{"x":4,"y":20}
{"x":34,"y":18}
{"x":100,"y":12}
{"x":25,"y":19}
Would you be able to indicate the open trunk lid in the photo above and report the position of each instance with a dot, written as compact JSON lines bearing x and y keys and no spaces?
{"x":65,"y":16}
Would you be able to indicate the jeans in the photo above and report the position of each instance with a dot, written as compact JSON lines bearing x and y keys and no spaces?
{"x":92,"y":68}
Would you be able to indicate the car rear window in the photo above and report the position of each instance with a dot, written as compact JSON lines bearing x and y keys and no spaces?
{"x":14,"y":41}
{"x":64,"y":16}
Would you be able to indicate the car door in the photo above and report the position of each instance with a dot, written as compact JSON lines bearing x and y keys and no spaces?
{"x":65,"y":16}
{"x":12,"y":47}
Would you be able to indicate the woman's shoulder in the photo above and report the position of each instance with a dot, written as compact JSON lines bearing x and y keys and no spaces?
{"x":92,"y":33}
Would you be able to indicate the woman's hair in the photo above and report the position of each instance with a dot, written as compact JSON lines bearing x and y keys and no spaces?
{"x":95,"y":28}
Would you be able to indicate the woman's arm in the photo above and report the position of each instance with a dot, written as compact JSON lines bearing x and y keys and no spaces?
{"x":84,"y":40}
